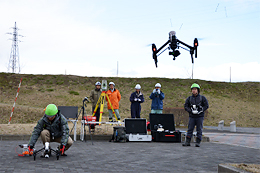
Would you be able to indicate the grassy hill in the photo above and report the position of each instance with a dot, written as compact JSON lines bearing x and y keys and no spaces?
{"x":227,"y":101}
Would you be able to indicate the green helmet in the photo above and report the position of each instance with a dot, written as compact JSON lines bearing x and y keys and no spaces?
{"x":51,"y":110}
{"x":195,"y":86}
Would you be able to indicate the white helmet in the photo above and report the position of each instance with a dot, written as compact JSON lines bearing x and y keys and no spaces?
{"x":111,"y":83}
{"x":158,"y":85}
{"x":138,"y":86}
{"x":98,"y":83}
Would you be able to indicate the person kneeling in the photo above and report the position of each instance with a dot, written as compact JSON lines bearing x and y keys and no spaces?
{"x":52,"y":127}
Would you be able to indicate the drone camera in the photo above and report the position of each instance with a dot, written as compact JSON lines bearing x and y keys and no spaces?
{"x":175,"y":53}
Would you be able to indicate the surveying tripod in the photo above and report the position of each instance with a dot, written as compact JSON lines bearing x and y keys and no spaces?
{"x":101,"y":101}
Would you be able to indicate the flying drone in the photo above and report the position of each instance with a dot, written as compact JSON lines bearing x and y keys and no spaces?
{"x":174,"y":45}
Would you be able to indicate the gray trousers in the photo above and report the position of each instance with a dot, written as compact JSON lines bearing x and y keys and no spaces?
{"x":199,"y":126}
{"x":111,"y":113}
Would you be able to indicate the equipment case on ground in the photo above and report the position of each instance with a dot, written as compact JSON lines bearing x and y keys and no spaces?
{"x":166,"y":123}
{"x":174,"y":136}
{"x":137,"y":137}
{"x":136,"y":130}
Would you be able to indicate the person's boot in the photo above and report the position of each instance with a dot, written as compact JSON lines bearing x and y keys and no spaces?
{"x":111,"y":120}
{"x":187,"y":142}
{"x":118,"y":120}
{"x":197,"y":144}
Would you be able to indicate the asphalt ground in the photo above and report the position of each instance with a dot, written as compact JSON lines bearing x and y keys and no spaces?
{"x":104,"y":156}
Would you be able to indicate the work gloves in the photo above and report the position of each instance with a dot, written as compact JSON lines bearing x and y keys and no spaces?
{"x":156,"y":91}
{"x":137,"y":99}
{"x":30,"y":149}
{"x":62,"y":148}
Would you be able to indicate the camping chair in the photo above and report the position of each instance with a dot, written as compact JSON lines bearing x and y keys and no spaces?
{"x":71,"y":113}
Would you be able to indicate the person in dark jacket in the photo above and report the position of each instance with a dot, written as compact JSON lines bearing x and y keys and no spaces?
{"x":52,"y":127}
{"x":195,"y":105}
{"x":157,"y":97}
{"x":136,"y":99}
{"x":94,"y":96}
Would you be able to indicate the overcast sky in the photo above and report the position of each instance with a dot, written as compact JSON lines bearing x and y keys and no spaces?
{"x":88,"y":38}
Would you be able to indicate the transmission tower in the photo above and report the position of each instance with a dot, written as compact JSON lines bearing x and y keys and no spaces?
{"x":14,"y":62}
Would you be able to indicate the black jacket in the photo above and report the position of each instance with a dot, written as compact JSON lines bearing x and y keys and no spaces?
{"x":198,"y":100}
{"x":136,"y":104}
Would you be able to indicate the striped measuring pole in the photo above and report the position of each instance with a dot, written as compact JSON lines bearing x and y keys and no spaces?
{"x":15,"y":101}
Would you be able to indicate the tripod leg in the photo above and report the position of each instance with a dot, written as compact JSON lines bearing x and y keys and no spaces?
{"x":98,"y":102}
{"x":111,"y":107}
{"x":101,"y":108}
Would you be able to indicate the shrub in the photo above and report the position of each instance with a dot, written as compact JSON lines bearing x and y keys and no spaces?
{"x":49,"y":89}
{"x":74,"y":92}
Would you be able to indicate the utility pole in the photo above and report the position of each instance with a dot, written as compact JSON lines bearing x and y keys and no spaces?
{"x":192,"y":71}
{"x":230,"y":75}
{"x":117,"y":70}
{"x":14,"y":62}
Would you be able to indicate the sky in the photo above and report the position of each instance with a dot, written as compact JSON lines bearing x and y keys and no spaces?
{"x":101,"y":38}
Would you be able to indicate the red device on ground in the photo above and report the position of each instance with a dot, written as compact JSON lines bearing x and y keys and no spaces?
{"x":90,"y":119}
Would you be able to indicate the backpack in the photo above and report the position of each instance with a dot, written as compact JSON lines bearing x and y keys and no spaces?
{"x":119,"y":134}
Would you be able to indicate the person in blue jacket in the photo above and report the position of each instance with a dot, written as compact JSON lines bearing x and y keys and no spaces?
{"x":136,"y":99}
{"x":157,"y":97}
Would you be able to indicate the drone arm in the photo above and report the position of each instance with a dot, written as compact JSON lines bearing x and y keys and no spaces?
{"x":190,"y":47}
{"x":163,"y":46}
{"x":191,"y":50}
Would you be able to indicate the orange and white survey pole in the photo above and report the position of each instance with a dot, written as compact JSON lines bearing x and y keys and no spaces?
{"x":15,"y":101}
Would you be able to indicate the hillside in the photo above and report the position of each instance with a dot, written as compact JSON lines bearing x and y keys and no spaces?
{"x":228,"y":101}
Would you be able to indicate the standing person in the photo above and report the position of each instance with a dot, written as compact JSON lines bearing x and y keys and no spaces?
{"x":136,"y":99}
{"x":196,"y":105}
{"x":114,"y":97}
{"x":52,"y":127}
{"x":94,"y":96}
{"x":157,"y":97}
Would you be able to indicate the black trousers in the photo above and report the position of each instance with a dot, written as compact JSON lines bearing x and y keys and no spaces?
{"x":198,"y":122}
{"x":97,"y":114}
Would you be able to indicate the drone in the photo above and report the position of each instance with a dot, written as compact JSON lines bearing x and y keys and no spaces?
{"x":174,"y":45}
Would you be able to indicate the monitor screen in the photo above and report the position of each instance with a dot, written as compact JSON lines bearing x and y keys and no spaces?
{"x":135,"y":126}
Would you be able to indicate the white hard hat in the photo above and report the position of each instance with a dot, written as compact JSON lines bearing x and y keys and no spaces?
{"x":158,"y":85}
{"x":138,"y":86}
{"x":111,"y":83}
{"x":98,"y":83}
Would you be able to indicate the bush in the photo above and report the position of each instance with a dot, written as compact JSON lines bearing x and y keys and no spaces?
{"x":74,"y":92}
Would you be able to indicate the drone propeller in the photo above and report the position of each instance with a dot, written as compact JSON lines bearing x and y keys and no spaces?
{"x":148,"y":45}
{"x":203,"y":38}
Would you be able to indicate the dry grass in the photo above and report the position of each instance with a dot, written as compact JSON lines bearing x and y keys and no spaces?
{"x":248,"y":167}
{"x":27,"y":129}
{"x":228,"y":101}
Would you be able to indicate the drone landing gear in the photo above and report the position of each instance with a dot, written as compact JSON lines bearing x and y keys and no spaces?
{"x":57,"y":152}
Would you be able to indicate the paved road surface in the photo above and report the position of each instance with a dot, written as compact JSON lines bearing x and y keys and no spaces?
{"x":129,"y":157}
{"x":236,"y":139}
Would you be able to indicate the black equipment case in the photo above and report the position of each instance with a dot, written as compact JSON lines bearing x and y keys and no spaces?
{"x":174,"y":136}
{"x":166,"y":121}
